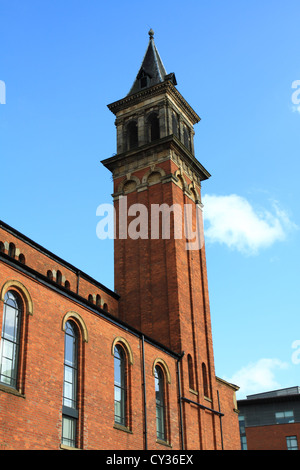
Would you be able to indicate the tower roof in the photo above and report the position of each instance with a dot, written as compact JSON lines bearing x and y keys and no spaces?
{"x":152,"y":70}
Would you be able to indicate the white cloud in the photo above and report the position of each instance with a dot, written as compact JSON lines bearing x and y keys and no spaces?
{"x":231,"y":220}
{"x":258,"y":377}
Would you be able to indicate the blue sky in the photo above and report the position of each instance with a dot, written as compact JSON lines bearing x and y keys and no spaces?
{"x":235,"y":63}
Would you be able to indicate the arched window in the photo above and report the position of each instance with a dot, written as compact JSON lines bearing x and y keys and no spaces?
{"x":160,"y":403}
{"x":10,"y":339}
{"x":67,"y":285}
{"x":105,"y":307}
{"x":132,"y":135}
{"x":98,"y":300}
{"x":191,"y":372}
{"x":22,"y":258}
{"x":154,"y":132}
{"x":90,"y":299}
{"x":129,"y":186}
{"x":193,"y":194}
{"x":120,"y":392}
{"x":12,"y":250}
{"x":50,"y":275}
{"x":58,"y":277}
{"x":205,"y":381}
{"x":70,"y":394}
{"x":2,"y":247}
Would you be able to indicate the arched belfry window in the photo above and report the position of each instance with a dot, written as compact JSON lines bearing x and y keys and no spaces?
{"x":132,"y":135}
{"x":175,"y":124}
{"x":10,"y":339}
{"x":186,"y":138}
{"x":160,"y":403}
{"x":120,"y":380}
{"x":154,"y":131}
{"x":70,"y":388}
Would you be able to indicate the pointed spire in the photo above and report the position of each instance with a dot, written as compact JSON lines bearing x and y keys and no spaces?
{"x":152,"y":70}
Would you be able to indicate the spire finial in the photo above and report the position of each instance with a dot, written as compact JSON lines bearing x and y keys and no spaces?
{"x":151,"y":33}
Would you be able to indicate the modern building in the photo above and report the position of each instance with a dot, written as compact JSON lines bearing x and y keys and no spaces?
{"x":270,"y":420}
{"x":85,"y":367}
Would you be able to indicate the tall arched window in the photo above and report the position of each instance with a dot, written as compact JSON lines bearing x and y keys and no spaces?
{"x":70,"y":394}
{"x":120,"y":392}
{"x":2,"y":247}
{"x":10,"y":339}
{"x":160,"y":404}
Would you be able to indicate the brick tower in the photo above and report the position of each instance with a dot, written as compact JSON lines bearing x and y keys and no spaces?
{"x":160,"y":274}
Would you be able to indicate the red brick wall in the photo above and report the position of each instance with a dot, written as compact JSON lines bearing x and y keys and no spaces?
{"x":230,"y":423}
{"x":271,"y":437}
{"x":164,"y":293}
{"x":32,"y":420}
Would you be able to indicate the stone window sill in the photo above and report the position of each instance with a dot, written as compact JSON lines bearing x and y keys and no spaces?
{"x":163,"y":443}
{"x":64,"y":447}
{"x":122,"y":428}
{"x":13,"y":391}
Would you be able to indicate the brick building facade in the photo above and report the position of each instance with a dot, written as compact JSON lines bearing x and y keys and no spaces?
{"x":84,"y":367}
{"x":271,"y":420}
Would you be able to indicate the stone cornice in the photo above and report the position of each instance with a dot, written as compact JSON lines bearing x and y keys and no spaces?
{"x":170,"y":142}
{"x":164,"y":87}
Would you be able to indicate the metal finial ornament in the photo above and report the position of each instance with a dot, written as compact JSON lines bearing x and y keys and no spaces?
{"x":151,"y":33}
